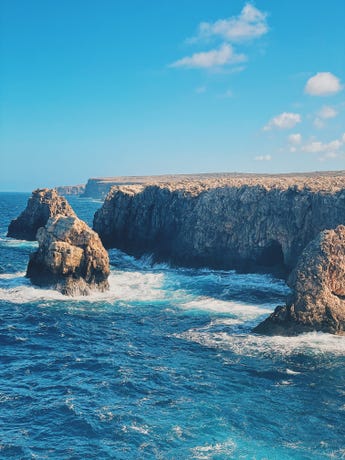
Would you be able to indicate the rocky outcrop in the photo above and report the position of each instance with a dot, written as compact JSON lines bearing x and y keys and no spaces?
{"x":71,"y":189}
{"x":70,"y":257}
{"x":43,"y":204}
{"x":317,"y":302}
{"x":243,"y":222}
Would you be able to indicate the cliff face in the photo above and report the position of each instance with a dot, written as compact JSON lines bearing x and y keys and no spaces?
{"x":70,"y":257}
{"x":318,"y":285}
{"x":237,"y":223}
{"x":71,"y":189}
{"x":43,"y":204}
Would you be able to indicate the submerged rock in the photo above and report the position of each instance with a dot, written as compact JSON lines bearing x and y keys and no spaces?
{"x":318,"y":283}
{"x":43,"y":204}
{"x":70,"y":257}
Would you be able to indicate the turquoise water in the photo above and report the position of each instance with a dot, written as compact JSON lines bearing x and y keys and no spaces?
{"x":163,"y":366}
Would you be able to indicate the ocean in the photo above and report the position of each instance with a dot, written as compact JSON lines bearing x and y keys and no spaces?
{"x":162,"y":366}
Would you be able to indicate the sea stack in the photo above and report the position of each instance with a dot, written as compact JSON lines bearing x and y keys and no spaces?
{"x":317,"y":302}
{"x":43,"y":204}
{"x":70,"y":258}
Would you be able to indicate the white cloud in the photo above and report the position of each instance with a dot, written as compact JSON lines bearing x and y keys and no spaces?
{"x":295,"y":139}
{"x":208,"y":59}
{"x":285,"y":120}
{"x":250,"y":23}
{"x":263,"y":158}
{"x":327,"y":112}
{"x":318,"y":147}
{"x":323,"y":84}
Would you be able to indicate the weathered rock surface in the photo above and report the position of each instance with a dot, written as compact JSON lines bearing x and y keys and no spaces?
{"x":70,"y":257}
{"x":70,"y":189}
{"x":318,"y":283}
{"x":43,"y":204}
{"x":240,"y":222}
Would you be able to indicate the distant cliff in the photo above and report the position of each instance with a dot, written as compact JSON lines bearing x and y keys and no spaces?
{"x":99,"y":187}
{"x":240,"y":222}
{"x":70,"y":189}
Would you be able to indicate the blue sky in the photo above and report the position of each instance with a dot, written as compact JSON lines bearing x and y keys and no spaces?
{"x":130,"y":87}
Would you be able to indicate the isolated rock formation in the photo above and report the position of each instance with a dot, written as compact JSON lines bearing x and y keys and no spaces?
{"x":70,"y":257}
{"x":318,"y":283}
{"x":243,"y":222}
{"x":43,"y":204}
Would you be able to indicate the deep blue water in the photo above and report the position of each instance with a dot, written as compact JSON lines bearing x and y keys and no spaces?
{"x":161,"y":367}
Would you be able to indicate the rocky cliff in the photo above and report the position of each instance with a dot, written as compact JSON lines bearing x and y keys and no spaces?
{"x":70,"y":257}
{"x":243,"y":222}
{"x":43,"y":204}
{"x":99,"y":187}
{"x":71,"y":189}
{"x":318,"y":290}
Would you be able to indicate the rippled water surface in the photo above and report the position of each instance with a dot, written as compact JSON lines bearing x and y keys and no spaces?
{"x":163,"y":366}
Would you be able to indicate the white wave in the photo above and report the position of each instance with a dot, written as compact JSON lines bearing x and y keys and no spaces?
{"x":209,"y":451}
{"x":125,"y":286}
{"x":11,"y":276}
{"x":12,"y":242}
{"x":238,"y":309}
{"x":254,"y":345}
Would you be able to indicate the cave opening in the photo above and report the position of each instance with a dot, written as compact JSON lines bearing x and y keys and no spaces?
{"x":272,"y":255}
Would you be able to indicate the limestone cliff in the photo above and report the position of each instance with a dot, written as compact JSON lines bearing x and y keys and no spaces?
{"x":43,"y":204}
{"x":66,"y":190}
{"x":239,"y":222}
{"x":318,"y":285}
{"x":70,"y":257}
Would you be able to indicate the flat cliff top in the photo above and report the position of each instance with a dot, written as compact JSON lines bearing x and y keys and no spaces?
{"x":328,"y":182}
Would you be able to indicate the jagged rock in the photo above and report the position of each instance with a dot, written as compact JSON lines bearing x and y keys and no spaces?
{"x":70,"y":257}
{"x":318,"y":283}
{"x":43,"y":204}
{"x":241,"y":222}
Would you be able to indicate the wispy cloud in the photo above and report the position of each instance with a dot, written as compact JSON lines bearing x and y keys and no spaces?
{"x":295,"y":139}
{"x":263,"y":158}
{"x":318,"y":147}
{"x":285,"y":120}
{"x":327,"y":150}
{"x":325,"y":113}
{"x":200,"y":89}
{"x":323,"y":84}
{"x":249,"y":24}
{"x":213,"y":58}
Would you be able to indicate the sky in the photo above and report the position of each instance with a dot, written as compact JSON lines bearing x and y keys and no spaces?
{"x":115,"y":87}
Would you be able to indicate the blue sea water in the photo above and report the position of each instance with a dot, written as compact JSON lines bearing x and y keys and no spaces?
{"x":163,"y":366}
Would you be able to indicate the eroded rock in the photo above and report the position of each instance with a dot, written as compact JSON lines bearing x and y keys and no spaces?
{"x":318,"y":283}
{"x":70,"y":257}
{"x":43,"y":204}
{"x":240,"y":223}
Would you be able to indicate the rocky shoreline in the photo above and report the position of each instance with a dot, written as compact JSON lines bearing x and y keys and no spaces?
{"x":236,"y":222}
